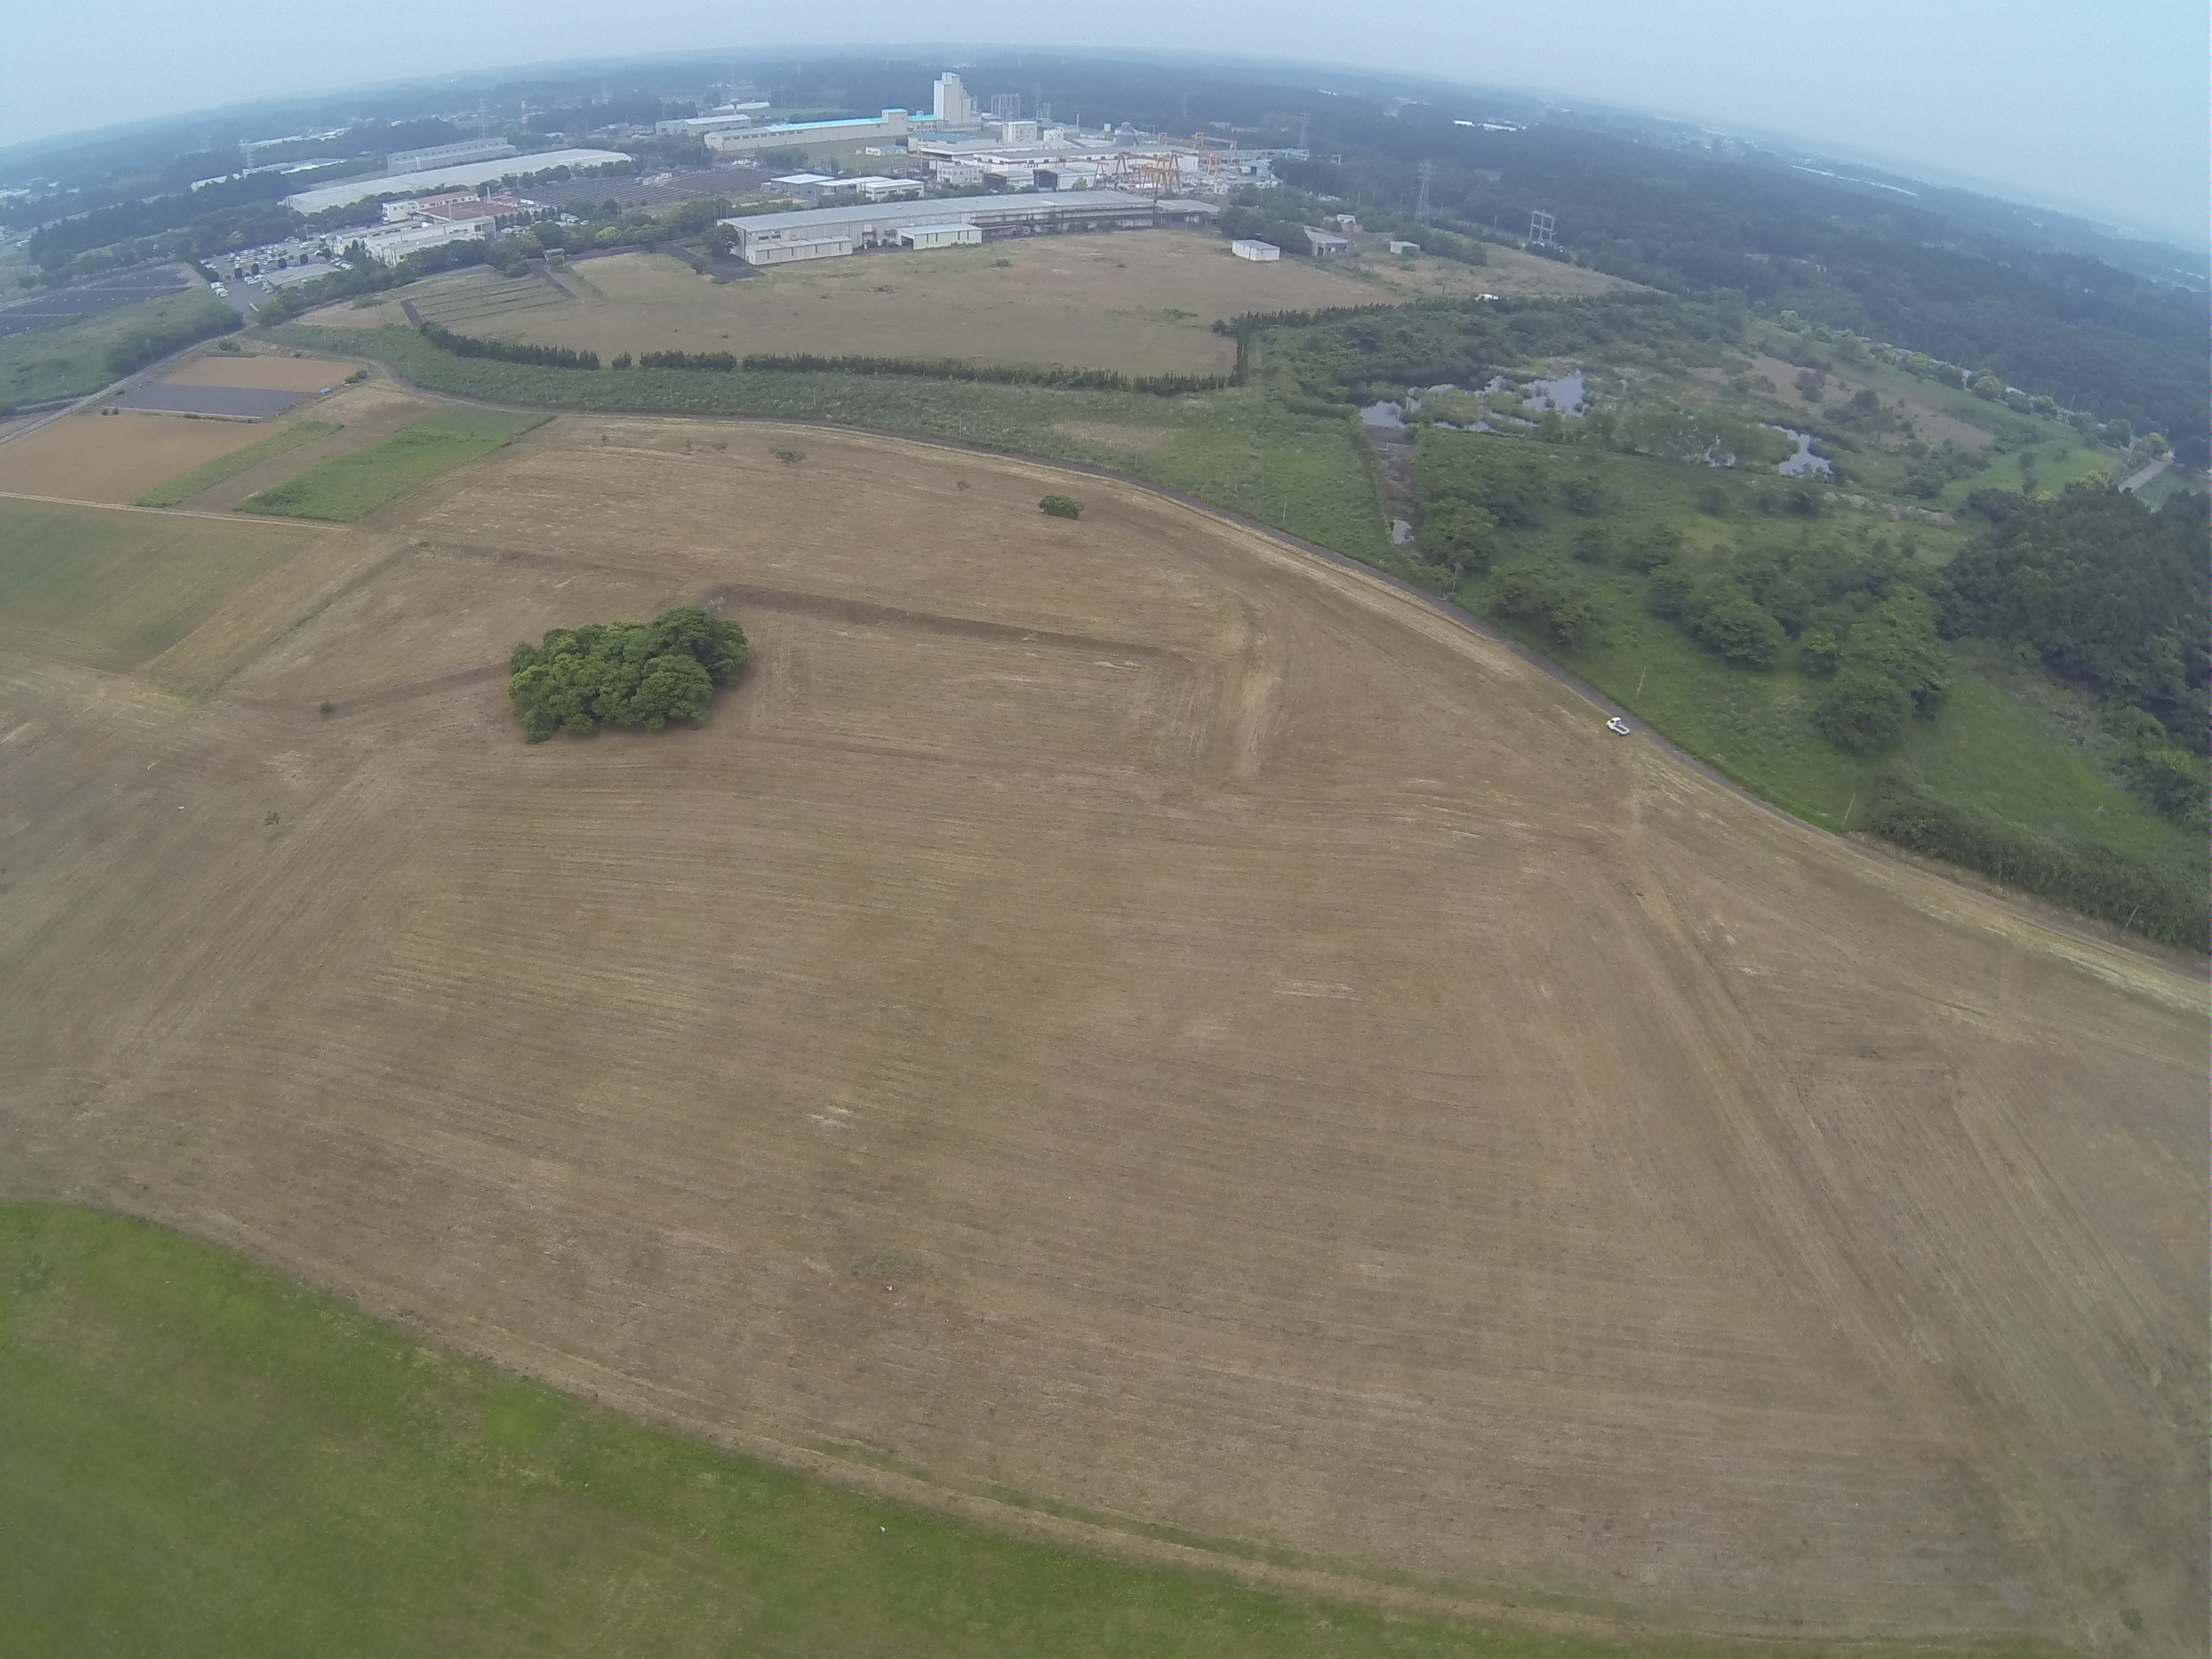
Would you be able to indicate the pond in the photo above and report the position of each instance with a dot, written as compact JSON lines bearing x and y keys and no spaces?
{"x":1804,"y":463}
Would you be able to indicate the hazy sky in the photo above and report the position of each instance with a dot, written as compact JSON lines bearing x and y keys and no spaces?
{"x":2102,"y":108}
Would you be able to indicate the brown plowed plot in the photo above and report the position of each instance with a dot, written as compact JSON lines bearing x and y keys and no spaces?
{"x":116,"y":457}
{"x":268,"y":370}
{"x":1118,"y":1012}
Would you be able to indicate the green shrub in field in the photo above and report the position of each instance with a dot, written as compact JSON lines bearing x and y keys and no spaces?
{"x":186,"y":485}
{"x":624,"y":673}
{"x":1062,"y":507}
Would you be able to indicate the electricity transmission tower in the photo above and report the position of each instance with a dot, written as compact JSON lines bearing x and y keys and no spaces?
{"x":1426,"y":171}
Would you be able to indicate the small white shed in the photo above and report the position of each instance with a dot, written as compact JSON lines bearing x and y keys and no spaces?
{"x":959,"y":233}
{"x":1261,"y":251}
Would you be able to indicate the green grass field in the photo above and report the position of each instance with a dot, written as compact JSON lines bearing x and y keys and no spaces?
{"x":349,"y":487}
{"x":201,"y":1457}
{"x":70,"y":360}
{"x":186,"y":485}
{"x":111,"y":589}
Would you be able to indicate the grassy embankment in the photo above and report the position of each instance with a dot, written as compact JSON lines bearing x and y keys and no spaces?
{"x":283,"y":440}
{"x":203,"y":1457}
{"x":349,"y":487}
{"x":112,"y":590}
{"x":1308,"y":474}
{"x":74,"y":359}
{"x":2006,"y":739}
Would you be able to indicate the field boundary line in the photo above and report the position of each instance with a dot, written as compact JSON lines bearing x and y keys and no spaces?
{"x":2140,"y":952}
{"x":157,"y":512}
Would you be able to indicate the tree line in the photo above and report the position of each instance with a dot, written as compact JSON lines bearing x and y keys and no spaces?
{"x":503,"y":351}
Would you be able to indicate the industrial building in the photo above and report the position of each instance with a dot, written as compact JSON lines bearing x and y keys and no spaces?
{"x":952,"y":108}
{"x":725,"y":119}
{"x":388,"y":245}
{"x":766,"y":239}
{"x":815,"y":190}
{"x":796,"y":135}
{"x":452,"y":176}
{"x":445,"y":155}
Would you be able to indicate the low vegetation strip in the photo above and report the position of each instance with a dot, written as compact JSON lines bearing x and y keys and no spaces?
{"x":176,"y":1423}
{"x":76,"y":358}
{"x":2162,"y":903}
{"x":929,"y":368}
{"x":349,"y":487}
{"x":283,"y":440}
{"x":948,"y":368}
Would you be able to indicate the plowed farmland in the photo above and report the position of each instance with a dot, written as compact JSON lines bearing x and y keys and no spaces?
{"x":1119,"y":1016}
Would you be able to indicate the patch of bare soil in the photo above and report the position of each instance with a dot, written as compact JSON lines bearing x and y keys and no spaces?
{"x":1121,"y":1012}
{"x":117,"y":457}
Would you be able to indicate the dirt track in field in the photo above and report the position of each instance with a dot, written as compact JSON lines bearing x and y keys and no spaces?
{"x":1119,"y":1012}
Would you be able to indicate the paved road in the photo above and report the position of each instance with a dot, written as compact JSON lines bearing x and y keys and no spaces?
{"x":2138,"y":480}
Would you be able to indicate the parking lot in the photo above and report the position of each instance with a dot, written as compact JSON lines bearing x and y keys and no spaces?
{"x":61,"y":305}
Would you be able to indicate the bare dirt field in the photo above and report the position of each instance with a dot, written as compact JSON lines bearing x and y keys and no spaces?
{"x":276,"y":371}
{"x":117,"y":457}
{"x":1140,"y":302}
{"x":1117,"y":1013}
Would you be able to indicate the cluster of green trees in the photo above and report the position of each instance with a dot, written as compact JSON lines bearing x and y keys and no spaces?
{"x":717,"y":362}
{"x":624,"y":673}
{"x":504,"y":351}
{"x":1349,"y":355}
{"x":181,"y":225}
{"x":2113,"y":597}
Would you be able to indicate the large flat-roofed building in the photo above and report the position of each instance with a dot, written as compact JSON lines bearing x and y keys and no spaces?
{"x":798,"y":135}
{"x":443,"y":156}
{"x":871,"y":225}
{"x":449,"y":176}
{"x":725,"y":119}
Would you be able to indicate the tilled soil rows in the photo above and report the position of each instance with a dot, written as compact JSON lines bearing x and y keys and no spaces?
{"x":1119,"y":1012}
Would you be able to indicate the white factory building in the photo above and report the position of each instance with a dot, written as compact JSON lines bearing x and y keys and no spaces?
{"x":771,"y":238}
{"x":454,"y":176}
{"x":448,"y":155}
